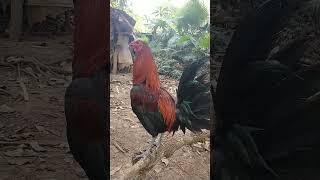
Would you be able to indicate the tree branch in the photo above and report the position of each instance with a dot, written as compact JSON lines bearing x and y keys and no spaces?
{"x":140,"y":169}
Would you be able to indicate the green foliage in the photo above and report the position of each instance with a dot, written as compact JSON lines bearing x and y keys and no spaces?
{"x":119,"y":4}
{"x":144,"y":38}
{"x":184,"y":38}
{"x":179,"y":36}
{"x":204,"y":41}
{"x":168,"y":67}
{"x":163,"y":11}
{"x":192,"y":16}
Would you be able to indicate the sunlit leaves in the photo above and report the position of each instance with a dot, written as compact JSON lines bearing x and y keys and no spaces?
{"x":204,"y":41}
{"x":119,"y":4}
{"x":193,"y":15}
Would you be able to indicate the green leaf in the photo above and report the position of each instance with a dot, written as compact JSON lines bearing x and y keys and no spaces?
{"x":204,"y":41}
{"x":192,"y":15}
{"x":184,"y":39}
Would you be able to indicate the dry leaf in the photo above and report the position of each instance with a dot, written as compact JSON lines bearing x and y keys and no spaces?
{"x":14,"y":59}
{"x":116,"y":169}
{"x":157,"y":168}
{"x":14,"y":153}
{"x":165,"y":161}
{"x":20,"y":130}
{"x":41,"y":159}
{"x":63,"y":145}
{"x":40,"y":128}
{"x":56,"y":81}
{"x":56,"y":133}
{"x":198,"y":145}
{"x":22,"y":146}
{"x":6,"y":109}
{"x":35,"y":146}
{"x":19,"y":161}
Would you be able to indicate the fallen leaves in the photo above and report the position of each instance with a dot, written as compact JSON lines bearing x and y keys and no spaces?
{"x":115,"y":170}
{"x":6,"y":109}
{"x":165,"y":161}
{"x":56,"y":81}
{"x":35,"y":146}
{"x":119,"y":147}
{"x":157,"y":168}
{"x":20,"y":161}
{"x":14,"y":153}
{"x":47,"y":131}
{"x":40,"y":128}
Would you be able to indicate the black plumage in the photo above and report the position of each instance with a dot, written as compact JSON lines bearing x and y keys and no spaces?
{"x":194,"y":98}
{"x":266,"y":125}
{"x":85,"y":111}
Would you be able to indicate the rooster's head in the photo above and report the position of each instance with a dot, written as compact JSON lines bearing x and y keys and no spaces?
{"x":137,"y":45}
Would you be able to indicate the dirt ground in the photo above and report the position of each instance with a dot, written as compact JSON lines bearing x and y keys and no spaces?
{"x":32,"y":132}
{"x":128,"y":136}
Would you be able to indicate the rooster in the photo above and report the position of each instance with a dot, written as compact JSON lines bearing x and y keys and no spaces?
{"x":156,"y":108}
{"x":267,"y":108}
{"x":86,"y":97}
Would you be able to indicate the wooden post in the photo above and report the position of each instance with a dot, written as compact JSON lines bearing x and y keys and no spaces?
{"x":115,"y":60}
{"x":16,"y":19}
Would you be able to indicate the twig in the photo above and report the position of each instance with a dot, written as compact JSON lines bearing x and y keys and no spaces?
{"x":40,"y":71}
{"x":61,"y":71}
{"x":113,"y":171}
{"x":7,"y":64}
{"x":57,"y":61}
{"x":24,"y":90}
{"x":314,"y":97}
{"x":167,"y":150}
{"x":31,"y":74}
{"x":7,"y":92}
{"x":118,"y":147}
{"x":35,"y":61}
{"x":183,"y":169}
{"x":22,"y":85}
{"x":18,"y":69}
{"x":53,"y":70}
{"x":40,"y":66}
{"x":2,"y":143}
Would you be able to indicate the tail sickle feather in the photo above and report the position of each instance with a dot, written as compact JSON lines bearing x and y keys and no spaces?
{"x":194,"y":97}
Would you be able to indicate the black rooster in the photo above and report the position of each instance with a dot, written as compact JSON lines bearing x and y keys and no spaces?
{"x":267,"y":110}
{"x":86,"y":97}
{"x":85,"y":110}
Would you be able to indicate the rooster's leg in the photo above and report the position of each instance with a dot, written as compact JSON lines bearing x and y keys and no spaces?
{"x":154,"y":144}
{"x":157,"y":141}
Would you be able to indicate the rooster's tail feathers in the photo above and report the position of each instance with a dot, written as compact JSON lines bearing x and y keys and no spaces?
{"x":194,"y":97}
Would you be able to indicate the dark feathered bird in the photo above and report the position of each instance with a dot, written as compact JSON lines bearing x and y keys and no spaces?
{"x":85,"y":111}
{"x":86,"y":96}
{"x":267,"y":125}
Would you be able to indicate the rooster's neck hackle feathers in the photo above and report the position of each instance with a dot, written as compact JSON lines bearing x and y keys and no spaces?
{"x":145,"y":70}
{"x":145,"y":73}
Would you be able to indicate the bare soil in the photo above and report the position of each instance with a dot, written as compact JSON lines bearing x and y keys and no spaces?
{"x":128,"y":136}
{"x":33,"y":141}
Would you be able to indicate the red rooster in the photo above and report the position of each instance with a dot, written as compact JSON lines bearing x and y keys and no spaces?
{"x":156,"y":108}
